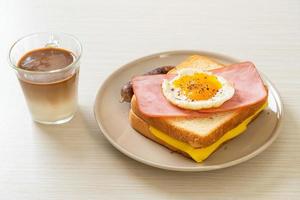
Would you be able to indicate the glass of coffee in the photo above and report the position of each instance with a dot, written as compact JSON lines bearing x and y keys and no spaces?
{"x":47,"y":66}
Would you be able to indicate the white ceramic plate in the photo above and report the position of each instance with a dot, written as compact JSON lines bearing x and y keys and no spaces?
{"x":112,"y":117}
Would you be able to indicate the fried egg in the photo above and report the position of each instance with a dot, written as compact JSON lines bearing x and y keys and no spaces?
{"x":195,"y":89}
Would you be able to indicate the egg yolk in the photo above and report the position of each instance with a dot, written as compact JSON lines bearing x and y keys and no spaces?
{"x":199,"y":86}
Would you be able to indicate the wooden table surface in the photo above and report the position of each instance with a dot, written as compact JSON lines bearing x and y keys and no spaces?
{"x":75,"y":161}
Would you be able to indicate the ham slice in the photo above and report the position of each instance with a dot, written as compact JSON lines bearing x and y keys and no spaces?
{"x":249,"y":89}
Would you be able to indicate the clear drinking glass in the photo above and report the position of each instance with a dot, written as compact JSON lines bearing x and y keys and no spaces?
{"x":51,"y":95}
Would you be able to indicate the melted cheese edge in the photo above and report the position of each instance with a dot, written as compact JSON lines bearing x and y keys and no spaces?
{"x":200,"y":154}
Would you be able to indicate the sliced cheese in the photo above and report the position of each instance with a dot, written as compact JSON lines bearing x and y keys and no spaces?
{"x":200,"y":154}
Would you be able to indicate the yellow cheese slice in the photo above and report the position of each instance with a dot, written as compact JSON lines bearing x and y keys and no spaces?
{"x":201,"y":154}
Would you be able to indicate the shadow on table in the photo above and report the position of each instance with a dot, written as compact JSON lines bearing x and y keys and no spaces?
{"x":266,"y":172}
{"x":70,"y":138}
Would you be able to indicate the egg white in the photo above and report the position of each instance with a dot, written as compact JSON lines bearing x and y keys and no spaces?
{"x":176,"y":97}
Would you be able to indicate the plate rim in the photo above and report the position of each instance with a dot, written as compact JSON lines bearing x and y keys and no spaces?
{"x":256,"y":152}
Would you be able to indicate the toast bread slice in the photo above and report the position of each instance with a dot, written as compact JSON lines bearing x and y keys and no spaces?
{"x":196,"y":131}
{"x":142,"y":127}
{"x":197,"y":61}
